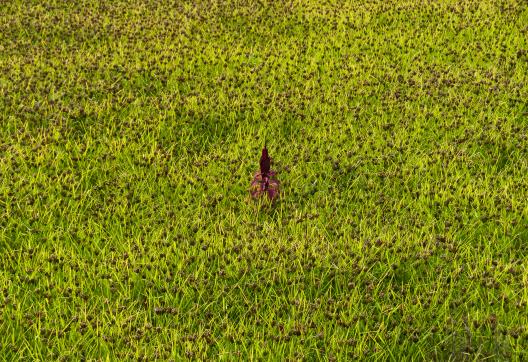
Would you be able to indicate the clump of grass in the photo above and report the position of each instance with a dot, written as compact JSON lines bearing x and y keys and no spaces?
{"x":265,"y":181}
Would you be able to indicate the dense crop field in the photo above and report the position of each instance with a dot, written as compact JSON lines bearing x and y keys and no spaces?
{"x":129,"y":135}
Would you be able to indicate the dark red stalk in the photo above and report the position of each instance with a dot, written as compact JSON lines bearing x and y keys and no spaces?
{"x":265,"y":164}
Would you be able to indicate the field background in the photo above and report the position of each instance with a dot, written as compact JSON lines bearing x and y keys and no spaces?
{"x":129,"y":134}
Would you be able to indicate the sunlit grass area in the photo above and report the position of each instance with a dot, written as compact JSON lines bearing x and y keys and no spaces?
{"x":130,"y":132}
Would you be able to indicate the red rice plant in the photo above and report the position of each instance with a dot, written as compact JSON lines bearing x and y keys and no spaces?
{"x":265,"y":181}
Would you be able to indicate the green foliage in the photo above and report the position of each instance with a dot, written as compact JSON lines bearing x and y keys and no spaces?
{"x":129,"y":134}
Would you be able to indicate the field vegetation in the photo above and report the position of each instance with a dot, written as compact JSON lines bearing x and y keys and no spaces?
{"x":130,"y":132}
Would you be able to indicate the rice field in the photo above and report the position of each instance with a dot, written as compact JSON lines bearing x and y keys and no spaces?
{"x":131,"y":131}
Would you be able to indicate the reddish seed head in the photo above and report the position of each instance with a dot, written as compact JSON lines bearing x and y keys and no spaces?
{"x":265,"y":162}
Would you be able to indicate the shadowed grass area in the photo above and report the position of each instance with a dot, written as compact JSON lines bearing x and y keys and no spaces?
{"x":129,"y":135}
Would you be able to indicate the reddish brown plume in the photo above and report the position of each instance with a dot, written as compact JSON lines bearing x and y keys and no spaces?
{"x":265,"y":162}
